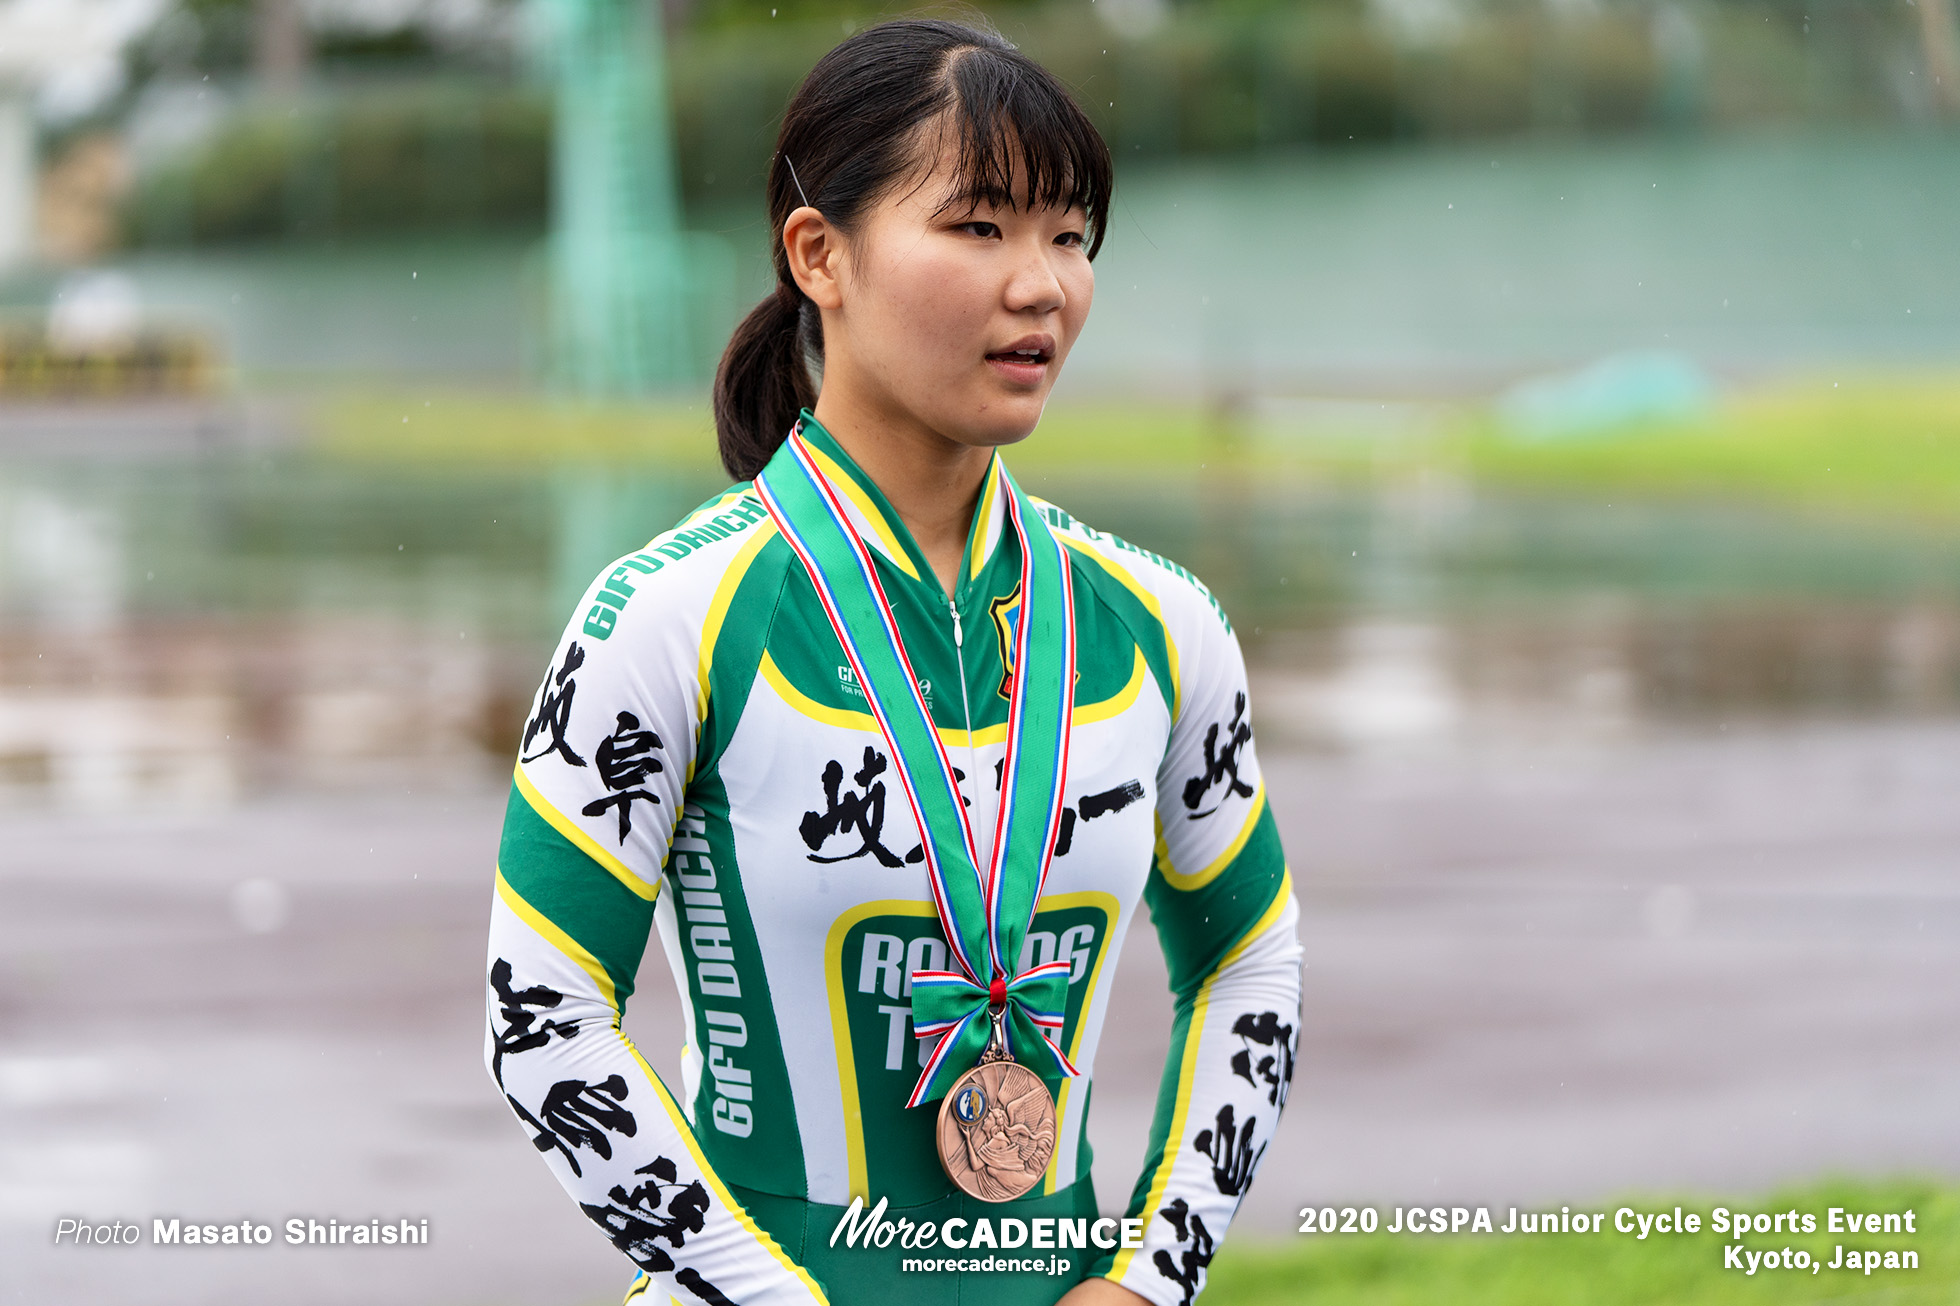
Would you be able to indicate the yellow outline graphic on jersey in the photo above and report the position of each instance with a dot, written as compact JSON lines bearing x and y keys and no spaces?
{"x":855,"y":1169}
{"x":1085,"y":714}
{"x":984,"y":521}
{"x":1150,"y":605}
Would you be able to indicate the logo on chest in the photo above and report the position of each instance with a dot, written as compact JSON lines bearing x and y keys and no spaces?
{"x":847,"y":682}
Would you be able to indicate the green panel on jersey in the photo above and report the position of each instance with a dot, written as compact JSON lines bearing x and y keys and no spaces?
{"x":809,"y":656}
{"x":744,"y":1112}
{"x":574,"y":893}
{"x":813,"y":663}
{"x":1197,"y":927}
{"x":867,"y":959}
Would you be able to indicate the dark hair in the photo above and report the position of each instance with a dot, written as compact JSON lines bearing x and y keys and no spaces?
{"x":851,"y":132}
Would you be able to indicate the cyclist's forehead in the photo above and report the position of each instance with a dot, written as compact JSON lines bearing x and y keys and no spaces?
{"x":955,"y":173}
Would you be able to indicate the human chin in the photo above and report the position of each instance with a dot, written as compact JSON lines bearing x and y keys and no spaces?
{"x":1002,"y":419}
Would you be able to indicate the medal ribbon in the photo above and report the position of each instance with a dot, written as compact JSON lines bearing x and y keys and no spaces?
{"x":985,"y":912}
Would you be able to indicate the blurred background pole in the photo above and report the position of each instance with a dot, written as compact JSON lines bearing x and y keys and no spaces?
{"x":32,"y":40}
{"x":17,"y":172}
{"x":618,"y":282}
{"x":280,"y":45}
{"x":1942,"y":54}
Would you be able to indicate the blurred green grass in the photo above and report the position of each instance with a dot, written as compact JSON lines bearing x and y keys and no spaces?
{"x":439,"y":427}
{"x":1884,"y":444}
{"x":1871,"y":445}
{"x":1604,"y":1269}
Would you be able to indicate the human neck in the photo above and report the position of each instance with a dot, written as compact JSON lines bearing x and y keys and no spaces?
{"x":933,"y":483}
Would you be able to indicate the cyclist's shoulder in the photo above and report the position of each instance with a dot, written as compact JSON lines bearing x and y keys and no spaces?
{"x":686,"y":578}
{"x":1171,"y":592}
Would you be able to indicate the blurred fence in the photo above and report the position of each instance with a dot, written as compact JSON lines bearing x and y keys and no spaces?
{"x":452,"y":154}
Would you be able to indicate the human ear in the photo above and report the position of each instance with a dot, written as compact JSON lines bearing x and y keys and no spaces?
{"x":814,"y":250}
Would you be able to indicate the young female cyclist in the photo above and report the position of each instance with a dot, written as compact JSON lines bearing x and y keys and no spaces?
{"x":889,"y":753}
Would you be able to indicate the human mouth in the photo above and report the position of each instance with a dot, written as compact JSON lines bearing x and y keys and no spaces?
{"x":1026,"y":360}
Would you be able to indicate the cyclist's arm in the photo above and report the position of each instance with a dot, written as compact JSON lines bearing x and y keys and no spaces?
{"x":1221,"y":898}
{"x":607,"y":749}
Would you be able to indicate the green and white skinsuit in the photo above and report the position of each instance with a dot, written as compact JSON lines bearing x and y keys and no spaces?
{"x":700,"y":760}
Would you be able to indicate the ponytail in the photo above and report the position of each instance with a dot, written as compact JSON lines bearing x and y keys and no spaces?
{"x":854,"y":130}
{"x":764,"y":381}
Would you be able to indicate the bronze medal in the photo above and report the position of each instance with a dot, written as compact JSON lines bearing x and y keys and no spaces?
{"x":997,"y":1126}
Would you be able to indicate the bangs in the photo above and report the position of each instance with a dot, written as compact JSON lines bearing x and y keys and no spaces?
{"x":1013,"y":119}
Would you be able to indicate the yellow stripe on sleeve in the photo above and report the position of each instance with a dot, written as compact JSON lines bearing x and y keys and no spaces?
{"x":558,"y":939}
{"x":1265,"y":921}
{"x":718,"y":609}
{"x":1200,"y":879}
{"x":1186,"y":1074}
{"x":1188,"y":1067}
{"x":584,"y":842}
{"x":856,"y":1164}
{"x":686,"y":1131}
{"x":1117,"y":704}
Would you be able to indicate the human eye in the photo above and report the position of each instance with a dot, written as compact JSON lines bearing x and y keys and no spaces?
{"x":984,"y":230}
{"x":1070,"y":240}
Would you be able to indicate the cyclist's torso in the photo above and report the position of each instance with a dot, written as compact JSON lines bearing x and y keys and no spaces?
{"x":702,"y":731}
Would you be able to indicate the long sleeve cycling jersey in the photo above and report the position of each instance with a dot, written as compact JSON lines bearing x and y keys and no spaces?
{"x":700,"y":760}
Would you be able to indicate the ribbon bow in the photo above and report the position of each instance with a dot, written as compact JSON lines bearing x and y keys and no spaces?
{"x":946,"y":1003}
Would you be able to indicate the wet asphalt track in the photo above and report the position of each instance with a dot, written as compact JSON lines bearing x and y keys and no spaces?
{"x":1549,"y":971}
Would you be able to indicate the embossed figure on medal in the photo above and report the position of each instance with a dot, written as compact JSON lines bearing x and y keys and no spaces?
{"x":997,"y":1126}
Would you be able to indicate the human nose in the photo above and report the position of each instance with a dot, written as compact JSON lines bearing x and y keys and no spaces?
{"x":1033,"y":285}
